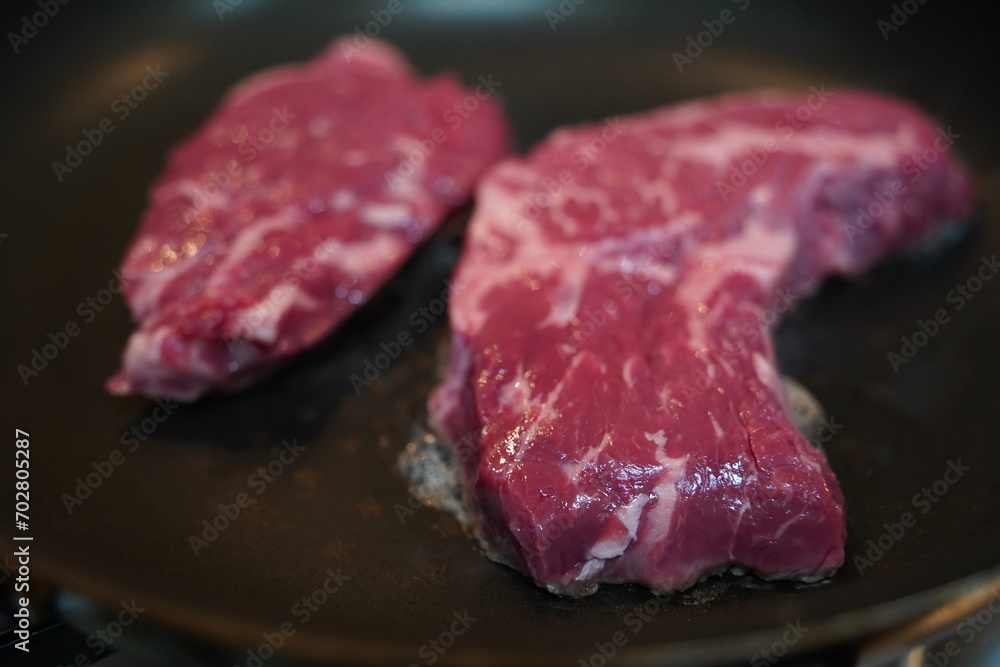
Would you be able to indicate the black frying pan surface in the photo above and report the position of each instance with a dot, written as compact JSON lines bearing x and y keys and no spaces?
{"x":335,"y":507}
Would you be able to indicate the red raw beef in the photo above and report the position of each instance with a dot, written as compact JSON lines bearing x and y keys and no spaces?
{"x":612,"y":391}
{"x":302,"y":195}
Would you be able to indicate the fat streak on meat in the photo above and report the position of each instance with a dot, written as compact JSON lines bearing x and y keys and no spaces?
{"x":612,"y":390}
{"x":304,"y":192}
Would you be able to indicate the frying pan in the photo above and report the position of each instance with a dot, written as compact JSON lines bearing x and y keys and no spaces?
{"x":335,"y":506}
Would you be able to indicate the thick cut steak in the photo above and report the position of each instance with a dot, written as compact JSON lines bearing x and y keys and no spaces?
{"x":612,"y":391}
{"x":305,"y":191}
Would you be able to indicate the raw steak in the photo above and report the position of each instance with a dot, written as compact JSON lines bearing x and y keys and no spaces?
{"x":612,"y":391}
{"x":305,"y":191}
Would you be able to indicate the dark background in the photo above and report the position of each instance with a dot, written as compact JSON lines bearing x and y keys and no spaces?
{"x":334,"y":506}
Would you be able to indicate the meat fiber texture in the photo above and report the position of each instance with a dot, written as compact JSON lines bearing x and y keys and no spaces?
{"x":304,"y":192}
{"x":612,"y":391}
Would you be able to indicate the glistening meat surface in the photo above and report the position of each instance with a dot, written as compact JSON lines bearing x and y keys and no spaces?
{"x":612,"y":391}
{"x":304,"y":192}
